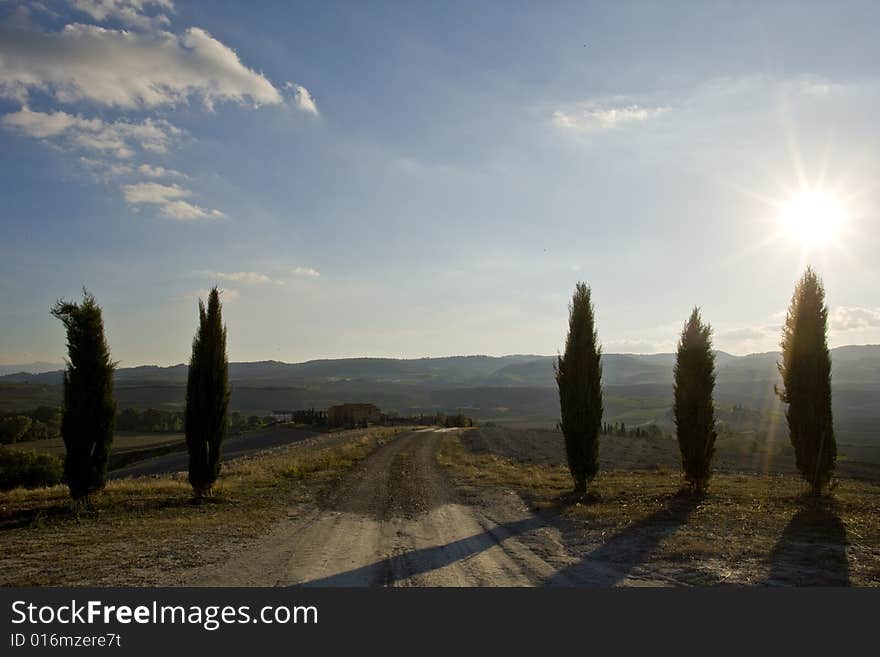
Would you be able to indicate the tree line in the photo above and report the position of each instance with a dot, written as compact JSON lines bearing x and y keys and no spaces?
{"x":805,"y":370}
{"x":89,"y":415}
{"x":23,"y":426}
{"x":620,"y":430}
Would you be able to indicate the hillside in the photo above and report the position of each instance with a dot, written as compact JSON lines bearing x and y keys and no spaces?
{"x":517,"y":389}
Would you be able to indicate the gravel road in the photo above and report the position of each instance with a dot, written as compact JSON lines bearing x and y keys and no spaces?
{"x":397,"y":521}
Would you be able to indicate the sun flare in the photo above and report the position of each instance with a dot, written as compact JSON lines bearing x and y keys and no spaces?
{"x":813,"y":217}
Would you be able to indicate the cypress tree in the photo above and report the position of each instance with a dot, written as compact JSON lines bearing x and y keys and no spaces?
{"x":89,"y":407}
{"x":207,"y":397}
{"x":579,"y":377}
{"x":693,"y":406}
{"x":806,"y":382}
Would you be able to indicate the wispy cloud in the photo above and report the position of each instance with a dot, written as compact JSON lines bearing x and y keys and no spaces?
{"x":259,"y":278}
{"x":132,"y":13}
{"x":140,"y":69}
{"x":159,"y":172}
{"x":590,"y":117}
{"x":854,"y":318}
{"x":125,"y":69}
{"x":169,"y":199}
{"x":119,"y":138}
{"x":305,"y":272}
{"x":251,"y":277}
{"x":302,"y":98}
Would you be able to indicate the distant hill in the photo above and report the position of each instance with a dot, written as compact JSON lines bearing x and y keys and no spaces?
{"x":30,"y":368}
{"x":852,"y":366}
{"x":514,"y":389}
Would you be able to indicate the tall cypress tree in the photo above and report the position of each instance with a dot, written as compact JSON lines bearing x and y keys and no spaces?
{"x":207,"y":397}
{"x":579,"y":377}
{"x":806,"y":382}
{"x":89,"y":406}
{"x":693,"y":407}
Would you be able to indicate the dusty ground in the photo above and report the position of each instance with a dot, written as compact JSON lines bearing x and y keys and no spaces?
{"x":148,"y":532}
{"x":637,"y":526}
{"x":431,"y":507}
{"x":425,"y":510}
{"x":396,"y":521}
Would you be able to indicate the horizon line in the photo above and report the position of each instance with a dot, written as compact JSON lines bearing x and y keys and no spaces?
{"x":338,"y":358}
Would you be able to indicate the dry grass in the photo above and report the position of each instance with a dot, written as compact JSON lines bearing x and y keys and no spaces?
{"x":148,"y":531}
{"x":747,"y":529}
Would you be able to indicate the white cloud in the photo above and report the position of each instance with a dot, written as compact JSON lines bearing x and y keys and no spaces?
{"x":128,"y":12}
{"x":159,"y":172}
{"x":150,"y":192}
{"x":128,"y":69}
{"x":169,"y":199}
{"x":302,"y":98}
{"x":853,"y":318}
{"x":597,"y":117}
{"x":119,"y":138}
{"x":630,"y":347}
{"x":251,"y":277}
{"x":305,"y":272}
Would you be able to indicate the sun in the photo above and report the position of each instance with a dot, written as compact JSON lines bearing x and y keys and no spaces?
{"x":813,"y":217}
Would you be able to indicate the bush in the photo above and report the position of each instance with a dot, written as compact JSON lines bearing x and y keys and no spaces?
{"x":28,"y":468}
{"x":14,"y":428}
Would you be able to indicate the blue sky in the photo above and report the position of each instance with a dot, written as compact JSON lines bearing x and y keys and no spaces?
{"x":424,"y":179}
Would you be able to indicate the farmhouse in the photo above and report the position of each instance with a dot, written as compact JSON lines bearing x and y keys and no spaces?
{"x":353,"y":414}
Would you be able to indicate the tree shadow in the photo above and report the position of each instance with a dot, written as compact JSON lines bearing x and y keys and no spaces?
{"x":812,"y":549}
{"x":611,"y":562}
{"x":415,"y":562}
{"x":29,"y":517}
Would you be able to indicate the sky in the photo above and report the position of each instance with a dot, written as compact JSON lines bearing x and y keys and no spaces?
{"x":413,"y":179}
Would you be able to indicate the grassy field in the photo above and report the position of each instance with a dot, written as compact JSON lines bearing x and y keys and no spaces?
{"x":148,"y":531}
{"x":749,"y":529}
{"x":123,"y":441}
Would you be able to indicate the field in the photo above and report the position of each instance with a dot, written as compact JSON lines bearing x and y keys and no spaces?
{"x":123,"y":442}
{"x":148,"y":531}
{"x":487,"y":506}
{"x":638,"y":527}
{"x":734,"y":454}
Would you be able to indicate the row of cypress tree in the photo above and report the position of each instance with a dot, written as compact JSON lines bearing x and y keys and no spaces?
{"x":805,"y":371}
{"x":90,"y":408}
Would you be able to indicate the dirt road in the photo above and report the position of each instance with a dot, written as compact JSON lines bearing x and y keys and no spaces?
{"x":397,"y":521}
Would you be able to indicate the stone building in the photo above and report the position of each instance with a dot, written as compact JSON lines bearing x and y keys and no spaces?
{"x":353,"y":415}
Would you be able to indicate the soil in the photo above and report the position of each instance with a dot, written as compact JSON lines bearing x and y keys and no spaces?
{"x":399,"y":518}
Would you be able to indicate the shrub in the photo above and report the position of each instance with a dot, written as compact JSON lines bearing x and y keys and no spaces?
{"x":28,"y":468}
{"x":14,"y":428}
